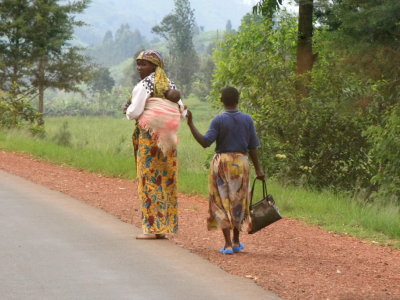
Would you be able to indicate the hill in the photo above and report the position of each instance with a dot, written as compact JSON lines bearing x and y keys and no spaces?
{"x":103,"y":15}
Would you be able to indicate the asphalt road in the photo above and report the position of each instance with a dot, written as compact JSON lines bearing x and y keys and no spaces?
{"x":55,"y":247}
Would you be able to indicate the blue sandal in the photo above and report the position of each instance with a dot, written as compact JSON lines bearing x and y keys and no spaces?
{"x":238,"y":249}
{"x":226,"y":251}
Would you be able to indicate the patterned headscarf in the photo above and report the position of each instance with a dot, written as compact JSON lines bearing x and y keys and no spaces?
{"x":161,"y":82}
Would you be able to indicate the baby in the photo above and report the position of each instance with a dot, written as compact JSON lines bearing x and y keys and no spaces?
{"x":173,"y":95}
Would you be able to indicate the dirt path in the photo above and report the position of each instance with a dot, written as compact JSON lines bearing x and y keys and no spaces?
{"x":290,"y":258}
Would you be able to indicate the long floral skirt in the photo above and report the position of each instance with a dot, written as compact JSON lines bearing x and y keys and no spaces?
{"x":229,"y":191}
{"x":157,"y":186}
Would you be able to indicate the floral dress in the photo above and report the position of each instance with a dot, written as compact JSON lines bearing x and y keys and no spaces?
{"x":229,"y":191}
{"x":156,"y":172}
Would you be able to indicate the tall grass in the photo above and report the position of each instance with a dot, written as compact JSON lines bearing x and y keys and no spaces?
{"x":103,"y":145}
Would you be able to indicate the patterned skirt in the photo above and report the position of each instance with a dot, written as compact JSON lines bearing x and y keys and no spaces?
{"x":229,"y":191}
{"x":157,"y":186}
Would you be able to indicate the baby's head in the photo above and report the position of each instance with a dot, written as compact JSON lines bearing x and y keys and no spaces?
{"x":173,"y":95}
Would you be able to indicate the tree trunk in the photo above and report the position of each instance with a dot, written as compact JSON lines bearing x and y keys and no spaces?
{"x":41,"y":87}
{"x":305,"y":56}
{"x":15,"y":71}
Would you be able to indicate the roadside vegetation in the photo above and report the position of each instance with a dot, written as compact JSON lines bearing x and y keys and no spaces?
{"x":102,"y":145}
{"x":325,"y":99}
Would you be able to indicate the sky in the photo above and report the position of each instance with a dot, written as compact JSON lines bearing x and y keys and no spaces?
{"x":289,"y":4}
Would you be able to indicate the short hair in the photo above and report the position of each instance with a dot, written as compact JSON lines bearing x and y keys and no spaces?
{"x":173,"y":95}
{"x":230,"y":96}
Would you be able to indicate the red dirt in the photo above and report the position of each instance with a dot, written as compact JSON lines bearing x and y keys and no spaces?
{"x":290,"y":258}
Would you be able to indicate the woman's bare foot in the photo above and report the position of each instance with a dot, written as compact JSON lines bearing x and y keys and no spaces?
{"x":150,"y":236}
{"x":146,"y":236}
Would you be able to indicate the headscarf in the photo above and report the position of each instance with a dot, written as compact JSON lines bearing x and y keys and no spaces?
{"x":161,"y":82}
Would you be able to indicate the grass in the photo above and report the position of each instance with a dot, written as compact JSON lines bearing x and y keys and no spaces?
{"x":102,"y":145}
{"x":341,"y":213}
{"x":86,"y":159}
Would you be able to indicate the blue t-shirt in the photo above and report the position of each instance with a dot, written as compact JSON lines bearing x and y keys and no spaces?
{"x":233,"y":131}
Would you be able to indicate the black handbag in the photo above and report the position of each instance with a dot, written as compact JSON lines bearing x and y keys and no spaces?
{"x":264,"y":212}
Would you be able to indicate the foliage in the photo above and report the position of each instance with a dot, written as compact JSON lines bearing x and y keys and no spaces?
{"x":317,"y":140}
{"x":14,"y":48}
{"x":385,"y":141}
{"x":178,"y":29}
{"x":370,"y":21}
{"x":102,"y":145}
{"x":17,"y":113}
{"x":367,"y":35}
{"x":267,"y":7}
{"x":34,"y":39}
{"x":203,"y":77}
{"x":97,"y":104}
{"x":64,"y":71}
{"x":102,"y":81}
{"x":63,"y":135}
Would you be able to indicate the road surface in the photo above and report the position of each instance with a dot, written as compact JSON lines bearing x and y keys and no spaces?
{"x":55,"y":247}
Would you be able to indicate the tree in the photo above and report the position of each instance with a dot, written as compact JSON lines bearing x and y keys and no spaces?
{"x":228,"y":26}
{"x":117,"y":48}
{"x":16,"y":112}
{"x":372,"y":21}
{"x":35,"y":52}
{"x":202,"y":84}
{"x":305,"y":56}
{"x":108,"y":38}
{"x":56,"y":63}
{"x":178,"y":29}
{"x":102,"y":81}
{"x":14,"y":45}
{"x":267,"y":8}
{"x":367,"y":33}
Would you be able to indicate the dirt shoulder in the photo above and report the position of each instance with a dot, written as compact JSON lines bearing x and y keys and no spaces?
{"x":290,"y":258}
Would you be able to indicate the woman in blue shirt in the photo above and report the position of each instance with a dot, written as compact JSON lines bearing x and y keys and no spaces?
{"x":236,"y":138}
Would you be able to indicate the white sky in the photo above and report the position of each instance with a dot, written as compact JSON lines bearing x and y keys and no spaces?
{"x":289,"y":4}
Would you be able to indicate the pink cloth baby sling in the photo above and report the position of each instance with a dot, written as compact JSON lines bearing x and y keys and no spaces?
{"x":162,"y":118}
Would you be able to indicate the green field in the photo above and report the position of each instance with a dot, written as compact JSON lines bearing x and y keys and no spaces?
{"x":102,"y":145}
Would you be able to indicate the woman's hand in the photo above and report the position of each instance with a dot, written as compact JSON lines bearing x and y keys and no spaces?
{"x":189,"y":117}
{"x":126,"y":106}
{"x":260,"y":174}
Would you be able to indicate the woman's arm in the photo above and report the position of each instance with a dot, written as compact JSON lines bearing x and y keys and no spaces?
{"x":138,"y":101}
{"x":254,"y":158}
{"x":196,"y":134}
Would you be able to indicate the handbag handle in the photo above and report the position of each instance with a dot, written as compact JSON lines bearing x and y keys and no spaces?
{"x":264,"y":186}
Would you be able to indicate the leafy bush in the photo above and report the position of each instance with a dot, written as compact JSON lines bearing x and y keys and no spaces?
{"x":17,"y":112}
{"x":63,"y":135}
{"x":385,"y":141}
{"x":98,"y":104}
{"x":316,"y":140}
{"x":203,"y":77}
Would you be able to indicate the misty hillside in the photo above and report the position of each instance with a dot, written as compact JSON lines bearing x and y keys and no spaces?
{"x":103,"y":15}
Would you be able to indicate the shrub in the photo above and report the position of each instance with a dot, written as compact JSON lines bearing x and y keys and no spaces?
{"x":63,"y":135}
{"x":17,"y":112}
{"x":98,"y":104}
{"x":315,"y":140}
{"x":385,"y":145}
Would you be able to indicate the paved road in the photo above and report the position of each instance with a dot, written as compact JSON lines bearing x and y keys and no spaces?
{"x":55,"y":247}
